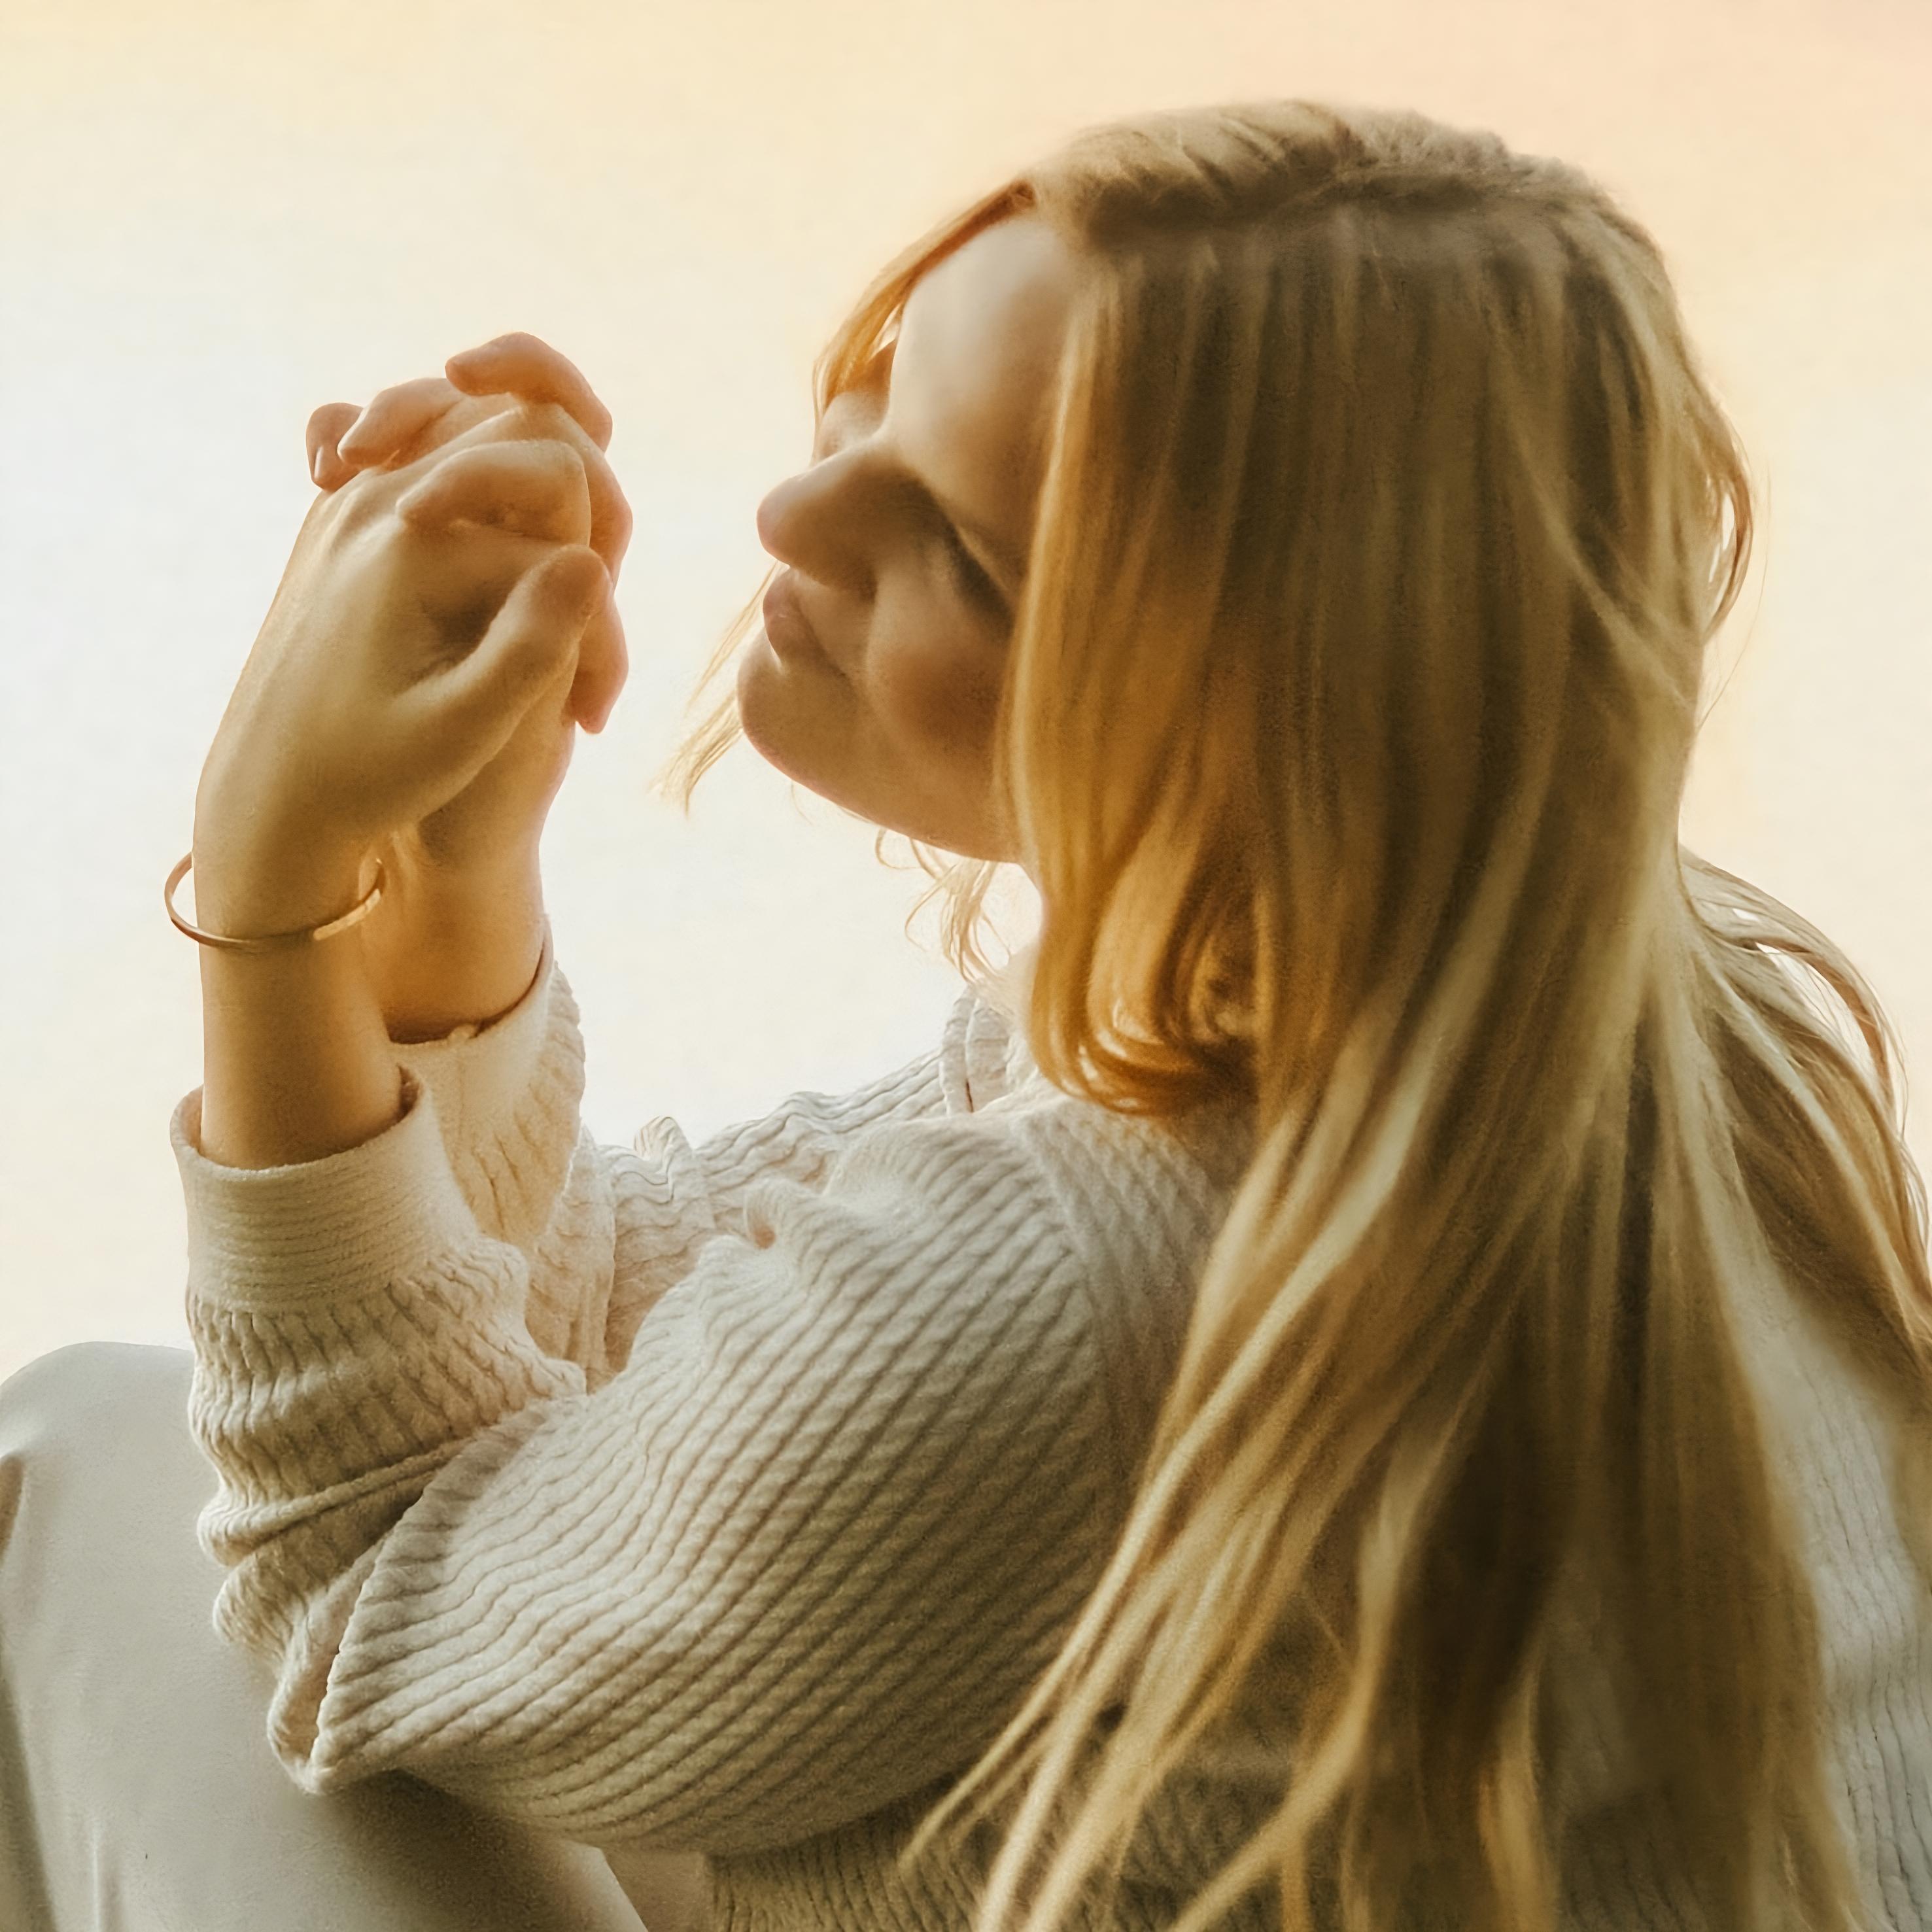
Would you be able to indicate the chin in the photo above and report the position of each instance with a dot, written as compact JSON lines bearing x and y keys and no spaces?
{"x":783,"y":752}
{"x":784,"y":755}
{"x":753,"y":707}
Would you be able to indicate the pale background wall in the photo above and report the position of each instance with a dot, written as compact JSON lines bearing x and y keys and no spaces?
{"x":215,"y":214}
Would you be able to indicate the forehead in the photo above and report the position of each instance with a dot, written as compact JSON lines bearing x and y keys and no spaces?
{"x":979,"y":340}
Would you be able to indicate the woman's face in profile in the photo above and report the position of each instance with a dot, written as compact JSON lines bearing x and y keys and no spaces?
{"x":907,"y":538}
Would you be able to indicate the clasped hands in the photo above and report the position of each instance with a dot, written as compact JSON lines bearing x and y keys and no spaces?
{"x":444,"y":622}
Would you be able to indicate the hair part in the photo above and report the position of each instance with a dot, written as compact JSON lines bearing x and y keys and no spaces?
{"x":1387,"y":519}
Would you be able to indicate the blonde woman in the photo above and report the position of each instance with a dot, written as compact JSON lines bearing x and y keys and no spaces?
{"x":1379,"y":1375}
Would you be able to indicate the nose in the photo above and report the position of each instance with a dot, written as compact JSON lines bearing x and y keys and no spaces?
{"x":797,"y":522}
{"x":800,"y":519}
{"x":764,"y":522}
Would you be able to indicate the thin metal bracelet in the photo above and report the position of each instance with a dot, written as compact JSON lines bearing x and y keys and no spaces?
{"x":271,"y":942}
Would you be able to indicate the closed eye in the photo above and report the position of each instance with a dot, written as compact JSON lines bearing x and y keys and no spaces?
{"x":968,"y":573}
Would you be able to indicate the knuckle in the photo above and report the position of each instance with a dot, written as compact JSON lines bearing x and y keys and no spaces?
{"x":560,"y":462}
{"x":472,"y":417}
{"x":521,"y":420}
{"x":558,"y":420}
{"x":358,"y":504}
{"x":523,"y":449}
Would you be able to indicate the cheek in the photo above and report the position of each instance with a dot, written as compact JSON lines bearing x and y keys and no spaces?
{"x":937,"y":691}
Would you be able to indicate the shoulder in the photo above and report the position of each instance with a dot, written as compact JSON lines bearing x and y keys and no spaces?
{"x":1128,"y":1195}
{"x":1139,"y":1195}
{"x":1133,"y":1202}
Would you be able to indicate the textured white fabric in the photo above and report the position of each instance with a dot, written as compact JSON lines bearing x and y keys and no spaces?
{"x":727,"y":1499}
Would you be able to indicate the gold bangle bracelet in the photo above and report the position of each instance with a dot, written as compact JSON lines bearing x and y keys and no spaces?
{"x":271,"y":942}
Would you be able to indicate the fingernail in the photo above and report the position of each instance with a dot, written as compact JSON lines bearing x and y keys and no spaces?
{"x":315,"y":465}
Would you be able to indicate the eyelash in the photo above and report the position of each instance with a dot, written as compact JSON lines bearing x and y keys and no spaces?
{"x":967,"y":572}
{"x":964,"y":566}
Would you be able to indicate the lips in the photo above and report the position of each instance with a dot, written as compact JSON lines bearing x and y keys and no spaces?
{"x":785,"y":622}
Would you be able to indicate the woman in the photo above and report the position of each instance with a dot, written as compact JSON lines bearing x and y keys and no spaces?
{"x":1380,"y":1376}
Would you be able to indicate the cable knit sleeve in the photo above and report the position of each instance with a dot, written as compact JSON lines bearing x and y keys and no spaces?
{"x":605,"y":1229}
{"x":800,"y":1555}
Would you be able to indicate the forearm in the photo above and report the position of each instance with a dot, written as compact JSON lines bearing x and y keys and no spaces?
{"x":296,"y":1059}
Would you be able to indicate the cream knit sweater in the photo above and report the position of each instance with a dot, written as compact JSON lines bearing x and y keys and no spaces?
{"x":729,"y":1497}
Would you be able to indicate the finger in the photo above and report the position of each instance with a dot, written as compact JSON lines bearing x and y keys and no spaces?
{"x":536,"y":487}
{"x":610,"y":519}
{"x":482,"y":699}
{"x":326,"y":426}
{"x":603,"y":665}
{"x":395,"y":417}
{"x":528,"y":366}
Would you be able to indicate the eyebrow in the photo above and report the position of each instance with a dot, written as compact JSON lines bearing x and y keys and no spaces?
{"x":1007,"y":567}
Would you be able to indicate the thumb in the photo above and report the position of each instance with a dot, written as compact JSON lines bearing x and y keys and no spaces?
{"x":530,"y":644}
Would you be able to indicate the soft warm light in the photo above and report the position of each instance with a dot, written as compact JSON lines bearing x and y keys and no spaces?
{"x":218,"y":215}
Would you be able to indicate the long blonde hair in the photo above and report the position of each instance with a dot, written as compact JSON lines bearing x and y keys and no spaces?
{"x":1386,"y":519}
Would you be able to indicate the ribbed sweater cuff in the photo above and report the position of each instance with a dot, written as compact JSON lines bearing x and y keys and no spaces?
{"x":507,"y":1100}
{"x":321,"y":1230}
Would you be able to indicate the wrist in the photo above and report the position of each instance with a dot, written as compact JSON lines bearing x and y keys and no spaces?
{"x":239,"y":894}
{"x":449,"y":954}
